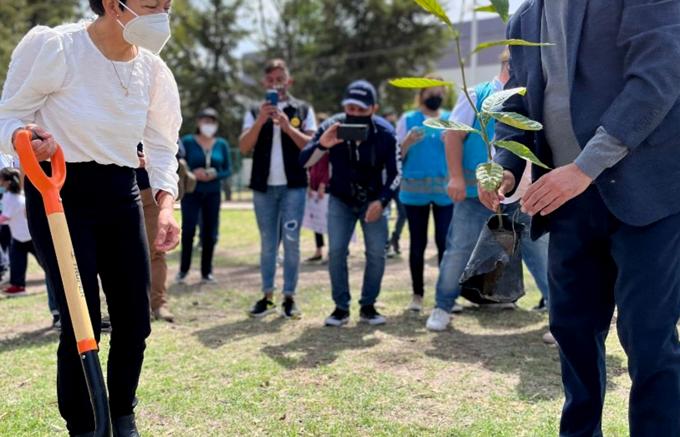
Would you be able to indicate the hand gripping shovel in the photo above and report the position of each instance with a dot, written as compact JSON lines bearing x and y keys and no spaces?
{"x":49,"y":188}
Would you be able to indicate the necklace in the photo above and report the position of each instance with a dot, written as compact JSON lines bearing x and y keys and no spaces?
{"x":125,"y":87}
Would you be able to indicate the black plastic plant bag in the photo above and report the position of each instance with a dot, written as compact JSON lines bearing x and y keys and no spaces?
{"x":494,"y":272}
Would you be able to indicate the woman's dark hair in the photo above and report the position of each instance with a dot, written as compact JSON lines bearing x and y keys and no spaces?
{"x":98,"y":7}
{"x":13,"y":176}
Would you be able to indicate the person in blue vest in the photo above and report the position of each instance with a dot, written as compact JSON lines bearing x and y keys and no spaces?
{"x":607,"y":91}
{"x":275,"y":133}
{"x":424,"y":181}
{"x":464,"y":154}
{"x":208,"y":158}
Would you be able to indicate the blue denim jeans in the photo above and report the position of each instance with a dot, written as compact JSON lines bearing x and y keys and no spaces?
{"x":469,"y":218}
{"x":342,"y":220}
{"x":279,"y":214}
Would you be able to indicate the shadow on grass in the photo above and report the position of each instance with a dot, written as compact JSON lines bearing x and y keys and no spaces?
{"x":508,"y":319}
{"x":321,"y":345}
{"x":216,"y":336}
{"x":536,"y":365}
{"x":29,"y":339}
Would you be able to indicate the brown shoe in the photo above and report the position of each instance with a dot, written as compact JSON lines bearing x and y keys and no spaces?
{"x":163,"y":313}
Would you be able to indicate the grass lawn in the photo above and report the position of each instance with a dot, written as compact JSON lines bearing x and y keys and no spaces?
{"x":215,"y":372}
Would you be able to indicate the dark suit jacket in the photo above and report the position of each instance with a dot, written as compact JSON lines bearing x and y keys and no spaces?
{"x":623,"y":58}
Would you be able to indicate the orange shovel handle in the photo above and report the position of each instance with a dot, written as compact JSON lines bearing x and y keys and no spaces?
{"x":49,"y":186}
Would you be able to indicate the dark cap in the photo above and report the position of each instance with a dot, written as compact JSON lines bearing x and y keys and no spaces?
{"x":209,"y":112}
{"x":360,"y":93}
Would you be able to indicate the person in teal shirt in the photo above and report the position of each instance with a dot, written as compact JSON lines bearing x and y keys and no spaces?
{"x":424,"y":180}
{"x":208,"y":158}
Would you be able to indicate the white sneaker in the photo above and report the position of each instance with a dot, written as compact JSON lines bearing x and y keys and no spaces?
{"x":457,"y":309}
{"x":549,"y":339}
{"x":416,"y":304}
{"x":438,"y":320}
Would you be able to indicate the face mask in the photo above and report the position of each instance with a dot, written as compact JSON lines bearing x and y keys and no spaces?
{"x":151,"y":32}
{"x":433,"y":102}
{"x":353,"y":119}
{"x":2,"y":190}
{"x":208,"y":129}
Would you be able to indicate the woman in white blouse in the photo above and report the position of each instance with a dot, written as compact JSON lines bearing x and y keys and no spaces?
{"x":98,"y":89}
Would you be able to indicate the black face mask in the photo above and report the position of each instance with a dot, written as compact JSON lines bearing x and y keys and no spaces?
{"x":433,"y":102}
{"x":353,"y":119}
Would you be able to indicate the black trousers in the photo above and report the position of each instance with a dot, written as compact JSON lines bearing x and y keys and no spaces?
{"x":418,"y":223}
{"x":207,"y":206}
{"x":596,"y":262}
{"x":106,"y":223}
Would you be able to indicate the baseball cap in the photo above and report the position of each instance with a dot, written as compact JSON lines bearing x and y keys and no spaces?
{"x":209,"y":112}
{"x":360,"y":93}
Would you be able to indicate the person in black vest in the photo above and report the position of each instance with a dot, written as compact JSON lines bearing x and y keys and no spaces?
{"x":275,"y":134}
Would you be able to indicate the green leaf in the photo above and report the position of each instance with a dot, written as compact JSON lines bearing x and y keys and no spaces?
{"x":494,"y":102}
{"x":489,"y":175}
{"x":449,"y":125}
{"x":520,"y":150}
{"x":488,"y":8}
{"x":433,"y":7}
{"x":516,"y":120}
{"x":419,"y":82}
{"x":502,"y":7}
{"x":508,"y":42}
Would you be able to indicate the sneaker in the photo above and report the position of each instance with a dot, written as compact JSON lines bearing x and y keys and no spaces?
{"x":389,"y":251}
{"x":416,"y":304}
{"x":4,"y":278}
{"x":289,"y":310}
{"x":541,"y":307}
{"x":314,"y":259}
{"x":208,"y":279}
{"x":457,"y":309}
{"x":438,"y":320}
{"x":262,"y":308}
{"x":105,"y":325}
{"x":181,"y":278}
{"x":56,"y":322}
{"x":370,"y":315}
{"x":14,"y":291}
{"x":163,"y":313}
{"x":338,"y":318}
{"x":549,"y":339}
{"x":395,"y":246}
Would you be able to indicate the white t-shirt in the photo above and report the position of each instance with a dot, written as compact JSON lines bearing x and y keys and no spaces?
{"x":14,"y":208}
{"x":60,"y":80}
{"x":277,"y":170}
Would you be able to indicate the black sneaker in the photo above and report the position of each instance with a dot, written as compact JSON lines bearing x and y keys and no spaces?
{"x":395,"y":246}
{"x":105,"y":325}
{"x":262,"y":308}
{"x":371,"y":316}
{"x":541,"y":307}
{"x":338,"y":318}
{"x":289,"y":310}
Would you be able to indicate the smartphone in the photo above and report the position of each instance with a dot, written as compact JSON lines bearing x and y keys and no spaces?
{"x":353,"y":132}
{"x":272,"y":97}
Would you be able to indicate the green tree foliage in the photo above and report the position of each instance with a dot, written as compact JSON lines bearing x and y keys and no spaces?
{"x":19,"y":16}
{"x":200,"y":56}
{"x":330,"y":43}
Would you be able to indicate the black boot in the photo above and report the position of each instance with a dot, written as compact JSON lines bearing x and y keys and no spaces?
{"x":125,"y":426}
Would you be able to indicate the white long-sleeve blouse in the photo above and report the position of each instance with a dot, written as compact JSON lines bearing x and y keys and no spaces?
{"x":60,"y":80}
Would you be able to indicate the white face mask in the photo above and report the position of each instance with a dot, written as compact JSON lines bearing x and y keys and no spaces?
{"x":151,"y":32}
{"x":208,"y":129}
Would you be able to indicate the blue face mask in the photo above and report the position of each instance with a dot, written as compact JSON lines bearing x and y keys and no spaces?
{"x":2,"y":189}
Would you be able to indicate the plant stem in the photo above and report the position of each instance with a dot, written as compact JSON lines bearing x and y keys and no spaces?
{"x":482,"y":122}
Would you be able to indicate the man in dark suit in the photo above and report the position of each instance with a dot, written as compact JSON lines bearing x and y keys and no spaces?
{"x":608,"y":95}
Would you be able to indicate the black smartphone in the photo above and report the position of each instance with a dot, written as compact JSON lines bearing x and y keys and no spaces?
{"x":353,"y":132}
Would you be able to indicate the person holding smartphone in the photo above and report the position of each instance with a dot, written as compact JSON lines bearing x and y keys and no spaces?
{"x":209,"y":159}
{"x":274,"y":133}
{"x":366,"y":163}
